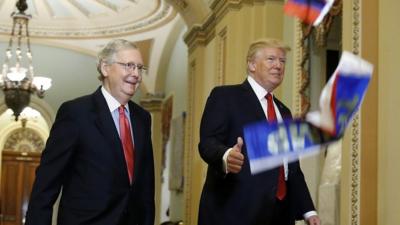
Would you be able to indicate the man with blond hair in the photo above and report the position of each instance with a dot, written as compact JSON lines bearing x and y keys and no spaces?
{"x":231,"y":194}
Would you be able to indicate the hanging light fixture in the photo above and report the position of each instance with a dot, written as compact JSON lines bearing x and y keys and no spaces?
{"x":16,"y":81}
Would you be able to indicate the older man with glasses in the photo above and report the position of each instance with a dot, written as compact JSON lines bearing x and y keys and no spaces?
{"x":99,"y":152}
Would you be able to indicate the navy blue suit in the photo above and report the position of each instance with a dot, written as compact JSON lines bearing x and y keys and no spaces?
{"x":242,"y":199}
{"x":84,"y":157}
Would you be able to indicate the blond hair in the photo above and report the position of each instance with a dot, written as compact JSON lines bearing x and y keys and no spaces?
{"x":265,"y":43}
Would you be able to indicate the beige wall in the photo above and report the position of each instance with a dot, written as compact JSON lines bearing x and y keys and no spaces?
{"x":375,"y":38}
{"x":369,"y":119}
{"x":388,"y":113}
{"x":360,"y":145}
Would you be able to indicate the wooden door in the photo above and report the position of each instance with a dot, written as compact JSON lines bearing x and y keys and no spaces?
{"x":17,"y":176}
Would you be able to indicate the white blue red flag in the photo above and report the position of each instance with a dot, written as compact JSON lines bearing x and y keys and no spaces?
{"x":308,"y":11}
{"x":269,"y":144}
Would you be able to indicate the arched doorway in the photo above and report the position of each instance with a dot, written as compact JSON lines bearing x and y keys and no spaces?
{"x":20,"y":157}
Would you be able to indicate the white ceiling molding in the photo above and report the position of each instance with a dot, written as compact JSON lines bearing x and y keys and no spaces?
{"x":89,"y":19}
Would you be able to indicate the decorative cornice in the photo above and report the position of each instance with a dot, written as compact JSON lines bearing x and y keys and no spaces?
{"x":200,"y":35}
{"x":195,"y":37}
{"x":152,"y":104}
{"x":220,"y":8}
{"x":180,"y":4}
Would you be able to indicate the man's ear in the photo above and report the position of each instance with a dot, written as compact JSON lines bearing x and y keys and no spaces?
{"x":104,"y":69}
{"x":251,"y":65}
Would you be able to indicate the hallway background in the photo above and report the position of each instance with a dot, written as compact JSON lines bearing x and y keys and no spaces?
{"x":190,"y":46}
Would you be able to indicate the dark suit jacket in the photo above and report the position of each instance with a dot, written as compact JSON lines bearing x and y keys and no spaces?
{"x":84,"y":157}
{"x":242,"y":198}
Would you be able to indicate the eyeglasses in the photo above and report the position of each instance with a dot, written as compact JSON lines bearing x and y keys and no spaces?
{"x":132,"y":66}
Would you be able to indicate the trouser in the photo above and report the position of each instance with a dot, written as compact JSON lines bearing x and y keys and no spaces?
{"x":281,"y":215}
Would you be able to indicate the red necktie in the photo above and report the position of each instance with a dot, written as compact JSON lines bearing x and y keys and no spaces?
{"x":281,"y":192}
{"x":126,"y":138}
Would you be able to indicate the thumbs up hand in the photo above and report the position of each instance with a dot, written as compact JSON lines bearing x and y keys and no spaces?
{"x":235,"y":157}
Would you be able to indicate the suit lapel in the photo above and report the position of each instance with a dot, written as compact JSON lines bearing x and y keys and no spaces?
{"x":250,"y":99}
{"x":106,"y":126}
{"x":285,"y":113}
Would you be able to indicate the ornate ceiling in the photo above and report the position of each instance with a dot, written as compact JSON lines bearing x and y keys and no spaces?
{"x":88,"y":18}
{"x":83,"y":27}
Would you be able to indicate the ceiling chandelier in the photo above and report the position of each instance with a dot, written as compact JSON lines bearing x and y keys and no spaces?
{"x":16,"y":81}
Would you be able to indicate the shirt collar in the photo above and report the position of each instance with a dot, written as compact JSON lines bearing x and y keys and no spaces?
{"x":112,"y":103}
{"x":257,"y":88}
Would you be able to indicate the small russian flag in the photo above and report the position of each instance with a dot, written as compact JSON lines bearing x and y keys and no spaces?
{"x":269,"y":144}
{"x":342,"y":95}
{"x":308,"y":11}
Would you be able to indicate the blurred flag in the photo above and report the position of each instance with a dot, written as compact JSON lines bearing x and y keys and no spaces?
{"x":342,"y":95}
{"x":269,"y":144}
{"x":308,"y":11}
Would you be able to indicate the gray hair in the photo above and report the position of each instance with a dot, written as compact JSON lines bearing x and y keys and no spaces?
{"x":107,"y":54}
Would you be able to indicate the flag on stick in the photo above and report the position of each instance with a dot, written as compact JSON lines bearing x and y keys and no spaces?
{"x":342,"y":95}
{"x":269,"y":143}
{"x":308,"y":11}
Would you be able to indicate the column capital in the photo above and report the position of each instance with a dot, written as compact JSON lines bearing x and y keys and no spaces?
{"x":152,"y":103}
